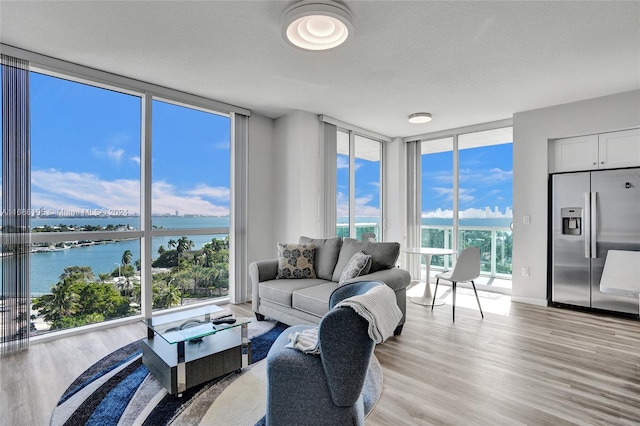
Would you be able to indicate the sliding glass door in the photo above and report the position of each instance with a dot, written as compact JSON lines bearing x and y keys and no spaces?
{"x":466,"y":197}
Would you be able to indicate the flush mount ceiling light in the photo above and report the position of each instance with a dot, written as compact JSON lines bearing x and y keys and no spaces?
{"x":316,"y":24}
{"x":419,"y":118}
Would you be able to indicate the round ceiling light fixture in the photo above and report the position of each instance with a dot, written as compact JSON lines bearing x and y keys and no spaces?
{"x":420,"y":118}
{"x":316,"y":24}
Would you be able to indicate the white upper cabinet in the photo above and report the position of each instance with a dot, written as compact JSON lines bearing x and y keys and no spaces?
{"x":619,"y":149}
{"x":579,"y":153}
{"x":603,"y":151}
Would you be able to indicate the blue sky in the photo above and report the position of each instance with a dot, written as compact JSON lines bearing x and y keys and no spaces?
{"x":86,"y":155}
{"x":485,"y":180}
{"x":86,"y":152}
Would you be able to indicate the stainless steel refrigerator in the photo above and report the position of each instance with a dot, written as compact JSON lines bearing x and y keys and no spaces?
{"x":592,"y":213}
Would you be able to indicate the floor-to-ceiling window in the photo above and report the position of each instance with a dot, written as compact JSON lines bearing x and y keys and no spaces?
{"x":358,"y":186}
{"x":85,"y":197}
{"x":190,"y":197}
{"x":466,"y":197}
{"x":116,"y":169}
{"x":485,"y":199}
{"x":436,"y":223}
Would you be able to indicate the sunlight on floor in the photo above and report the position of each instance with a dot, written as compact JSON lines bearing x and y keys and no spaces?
{"x":494,"y":303}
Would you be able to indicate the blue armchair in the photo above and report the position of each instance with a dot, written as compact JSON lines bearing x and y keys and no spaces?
{"x":323,"y":389}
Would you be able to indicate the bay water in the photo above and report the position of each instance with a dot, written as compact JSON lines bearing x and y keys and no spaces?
{"x":46,"y":266}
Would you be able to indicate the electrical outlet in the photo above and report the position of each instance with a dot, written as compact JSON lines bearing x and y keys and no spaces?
{"x":525,"y":271}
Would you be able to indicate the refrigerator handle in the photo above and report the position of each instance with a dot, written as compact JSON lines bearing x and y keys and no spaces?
{"x":594,"y":225}
{"x":586,"y":226}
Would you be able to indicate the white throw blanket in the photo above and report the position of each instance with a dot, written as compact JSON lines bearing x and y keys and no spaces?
{"x":378,"y":306}
{"x":305,"y":341}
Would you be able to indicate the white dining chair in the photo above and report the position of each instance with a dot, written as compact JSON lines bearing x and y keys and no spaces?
{"x":466,"y":269}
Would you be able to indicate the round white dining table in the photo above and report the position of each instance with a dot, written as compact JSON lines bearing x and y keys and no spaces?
{"x":426,"y":252}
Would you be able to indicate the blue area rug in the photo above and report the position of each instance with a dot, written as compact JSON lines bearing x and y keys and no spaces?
{"x":119,"y":389}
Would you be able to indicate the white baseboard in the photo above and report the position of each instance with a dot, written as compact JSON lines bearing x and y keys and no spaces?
{"x":529,"y":300}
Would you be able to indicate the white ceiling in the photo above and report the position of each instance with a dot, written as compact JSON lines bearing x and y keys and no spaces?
{"x":464,"y":62}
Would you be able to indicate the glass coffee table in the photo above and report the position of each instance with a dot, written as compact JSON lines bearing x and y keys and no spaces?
{"x":184,"y":349}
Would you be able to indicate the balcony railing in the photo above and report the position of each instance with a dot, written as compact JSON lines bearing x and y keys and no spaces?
{"x":495,"y":243}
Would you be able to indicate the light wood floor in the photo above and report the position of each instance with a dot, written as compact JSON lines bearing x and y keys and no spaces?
{"x":535,"y":366}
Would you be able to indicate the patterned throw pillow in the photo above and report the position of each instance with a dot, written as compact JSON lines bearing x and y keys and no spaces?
{"x":359,"y":264}
{"x":295,"y":260}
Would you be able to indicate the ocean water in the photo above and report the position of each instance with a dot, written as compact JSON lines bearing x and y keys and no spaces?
{"x":46,"y":267}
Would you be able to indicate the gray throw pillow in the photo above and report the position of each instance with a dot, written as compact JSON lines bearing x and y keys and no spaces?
{"x":295,"y":261}
{"x":383,"y":255}
{"x":359,"y":264}
{"x":326,"y":255}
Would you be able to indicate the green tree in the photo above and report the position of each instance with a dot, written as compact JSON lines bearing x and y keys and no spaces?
{"x":62,"y":302}
{"x":126,"y":257}
{"x":166,"y":295}
{"x":82,"y":273}
{"x":184,"y":244}
{"x":168,"y":259}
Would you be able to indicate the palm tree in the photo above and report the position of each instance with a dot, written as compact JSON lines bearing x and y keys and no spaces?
{"x":124,"y":286}
{"x":161,"y":250}
{"x":126,"y":257}
{"x":167,"y":295}
{"x":103,"y":278}
{"x":171,"y":243}
{"x":184,"y":244}
{"x":83,"y":273}
{"x":62,"y":302}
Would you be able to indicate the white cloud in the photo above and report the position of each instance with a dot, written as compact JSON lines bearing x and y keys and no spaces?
{"x":364,"y":209}
{"x":464,"y":194}
{"x":113,"y":154}
{"x":486,"y":177}
{"x":441,"y":177}
{"x":446,"y":193}
{"x":361,"y":205}
{"x":215,"y":192}
{"x":135,"y":159}
{"x":166,"y":200}
{"x":342,"y":162}
{"x":56,"y":190}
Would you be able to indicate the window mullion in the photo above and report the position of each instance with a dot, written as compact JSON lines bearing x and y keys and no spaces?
{"x":352,"y":184}
{"x":456,"y":191}
{"x":145,"y":207}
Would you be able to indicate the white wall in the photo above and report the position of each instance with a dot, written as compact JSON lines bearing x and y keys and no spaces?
{"x":532,"y":131}
{"x":296,"y":159}
{"x":395,"y":182}
{"x":260,"y":199}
